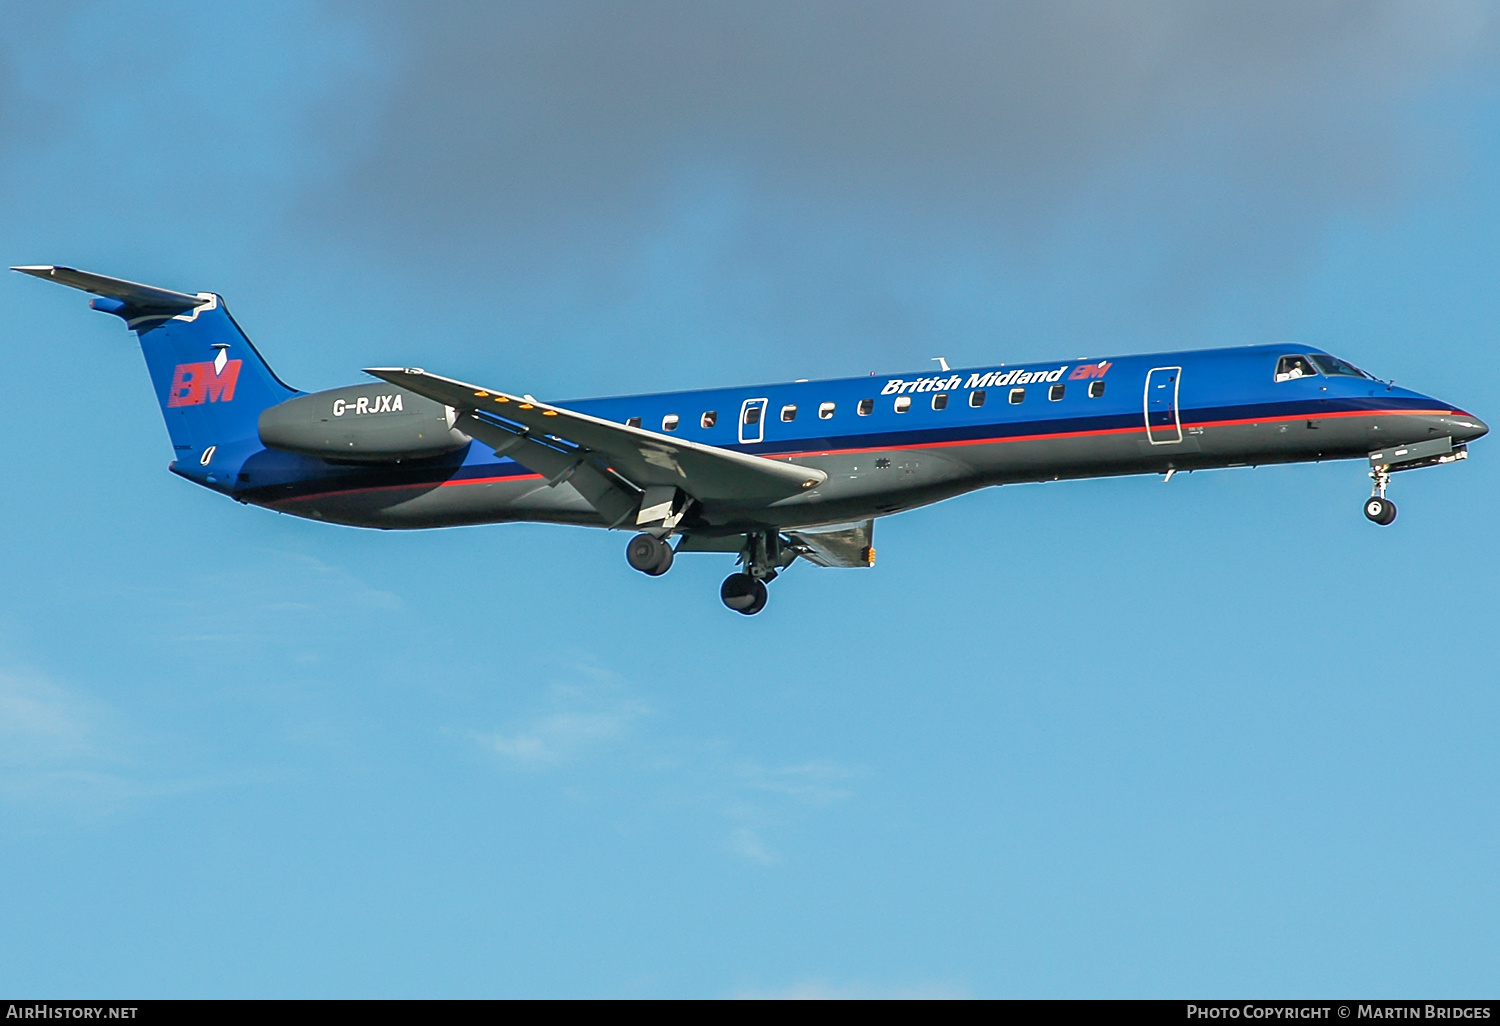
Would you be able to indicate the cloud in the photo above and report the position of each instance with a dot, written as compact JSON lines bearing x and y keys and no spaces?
{"x":584,"y":713}
{"x":810,"y":783}
{"x":57,"y":745}
{"x":513,"y":123}
{"x":767,"y":797}
{"x":749,"y":844}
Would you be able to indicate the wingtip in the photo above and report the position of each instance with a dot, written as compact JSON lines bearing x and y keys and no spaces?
{"x":40,"y":270}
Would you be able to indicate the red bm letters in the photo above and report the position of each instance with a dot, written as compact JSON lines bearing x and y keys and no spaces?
{"x":1089,"y":370}
{"x":195,"y":383}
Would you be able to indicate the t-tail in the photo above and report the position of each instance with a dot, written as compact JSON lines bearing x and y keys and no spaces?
{"x":211,"y":382}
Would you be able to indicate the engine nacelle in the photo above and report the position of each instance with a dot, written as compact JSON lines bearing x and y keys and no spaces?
{"x":373,"y":423}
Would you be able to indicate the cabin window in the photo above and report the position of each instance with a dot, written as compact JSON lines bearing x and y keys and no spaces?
{"x":1096,"y":389}
{"x":1291,"y":367}
{"x":669,"y":422}
{"x":1056,"y":392}
{"x":866,"y":407}
{"x":1017,"y":396}
{"x":632,"y":422}
{"x":789,"y":413}
{"x":709,"y":418}
{"x":976,"y":398}
{"x":825,"y":411}
{"x":940,"y":401}
{"x":752,"y":414}
{"x":903,"y":404}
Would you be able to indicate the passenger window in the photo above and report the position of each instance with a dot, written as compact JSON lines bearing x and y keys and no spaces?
{"x":669,"y":422}
{"x":789,"y":413}
{"x":752,"y":414}
{"x":1290,"y":367}
{"x":903,"y":404}
{"x":1056,"y":392}
{"x":632,"y":422}
{"x":976,"y":398}
{"x":1096,"y":389}
{"x":825,"y":411}
{"x":940,"y":401}
{"x":1017,"y":396}
{"x":709,"y":419}
{"x":866,"y":407}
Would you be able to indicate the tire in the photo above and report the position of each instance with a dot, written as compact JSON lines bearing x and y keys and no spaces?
{"x":1380,"y":511}
{"x":744,"y":594}
{"x":649,"y":555}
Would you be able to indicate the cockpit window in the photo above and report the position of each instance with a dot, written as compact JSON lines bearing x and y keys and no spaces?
{"x":1289,"y":367}
{"x":1333,"y":365}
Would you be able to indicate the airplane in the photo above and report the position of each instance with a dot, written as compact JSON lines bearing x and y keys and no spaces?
{"x":770,"y":473}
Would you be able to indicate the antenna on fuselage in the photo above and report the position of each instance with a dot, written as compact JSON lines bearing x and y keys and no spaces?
{"x":942,"y":363}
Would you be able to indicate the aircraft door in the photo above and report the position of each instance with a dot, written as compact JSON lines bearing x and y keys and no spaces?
{"x":753,"y":420}
{"x":1163,"y":423}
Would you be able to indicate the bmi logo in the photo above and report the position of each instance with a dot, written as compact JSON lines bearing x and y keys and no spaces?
{"x":211,"y":381}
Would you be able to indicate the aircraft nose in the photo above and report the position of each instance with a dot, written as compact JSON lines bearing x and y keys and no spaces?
{"x":1466,"y":427}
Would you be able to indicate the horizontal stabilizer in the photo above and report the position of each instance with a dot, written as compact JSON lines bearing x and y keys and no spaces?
{"x":644,"y":458}
{"x":137,"y":297}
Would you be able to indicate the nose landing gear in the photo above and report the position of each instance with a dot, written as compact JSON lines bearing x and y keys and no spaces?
{"x":1379,"y":509}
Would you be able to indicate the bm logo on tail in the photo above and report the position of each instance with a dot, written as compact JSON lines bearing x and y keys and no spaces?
{"x":211,"y":381}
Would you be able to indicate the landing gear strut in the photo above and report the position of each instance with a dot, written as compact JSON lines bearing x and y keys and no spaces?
{"x":1378,"y":508}
{"x":765,"y":555}
{"x":649,"y":554}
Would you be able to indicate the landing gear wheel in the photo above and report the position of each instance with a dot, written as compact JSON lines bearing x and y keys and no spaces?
{"x":649,"y":554}
{"x":743,"y":594}
{"x":1380,"y":510}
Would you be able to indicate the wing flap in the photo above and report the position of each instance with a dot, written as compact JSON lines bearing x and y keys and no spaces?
{"x":644,"y":458}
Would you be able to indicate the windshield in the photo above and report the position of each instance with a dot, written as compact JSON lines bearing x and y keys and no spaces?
{"x":1333,"y":365}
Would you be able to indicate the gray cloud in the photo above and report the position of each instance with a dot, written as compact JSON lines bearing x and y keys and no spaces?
{"x":514,"y":123}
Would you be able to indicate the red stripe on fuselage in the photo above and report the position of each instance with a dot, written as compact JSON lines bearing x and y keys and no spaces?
{"x":916,"y":445}
{"x":1141,"y":429}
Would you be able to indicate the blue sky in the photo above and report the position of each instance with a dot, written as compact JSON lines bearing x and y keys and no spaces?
{"x":1106,"y":738}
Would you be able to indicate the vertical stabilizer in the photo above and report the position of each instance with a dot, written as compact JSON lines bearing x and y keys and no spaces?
{"x":211,"y":382}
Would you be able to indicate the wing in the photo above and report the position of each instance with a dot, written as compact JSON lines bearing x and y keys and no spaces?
{"x":648,"y":461}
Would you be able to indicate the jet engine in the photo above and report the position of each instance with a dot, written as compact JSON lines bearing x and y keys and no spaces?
{"x":374,"y":423}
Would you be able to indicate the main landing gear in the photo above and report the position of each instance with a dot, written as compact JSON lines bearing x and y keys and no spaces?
{"x":765,"y":555}
{"x":1379,"y":509}
{"x":649,"y":554}
{"x":744,"y":594}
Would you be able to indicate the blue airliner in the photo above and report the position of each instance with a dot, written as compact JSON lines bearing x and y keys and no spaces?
{"x":768,"y":472}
